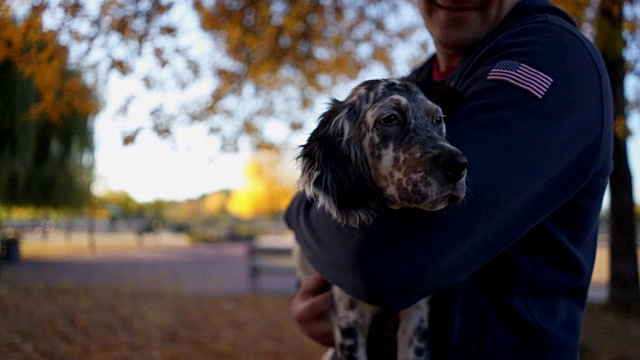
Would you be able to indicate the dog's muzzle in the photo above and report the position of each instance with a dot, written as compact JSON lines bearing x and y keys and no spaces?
{"x":452,"y":164}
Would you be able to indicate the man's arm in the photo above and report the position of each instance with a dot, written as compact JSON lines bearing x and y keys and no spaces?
{"x":527,"y":156}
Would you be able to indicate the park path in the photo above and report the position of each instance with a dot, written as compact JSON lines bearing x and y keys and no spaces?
{"x":174,"y":265}
{"x":207,"y":269}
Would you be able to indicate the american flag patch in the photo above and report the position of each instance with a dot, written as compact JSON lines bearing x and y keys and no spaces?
{"x":522,"y":76}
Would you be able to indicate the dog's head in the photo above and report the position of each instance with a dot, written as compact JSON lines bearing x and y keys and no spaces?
{"x":384,"y":145}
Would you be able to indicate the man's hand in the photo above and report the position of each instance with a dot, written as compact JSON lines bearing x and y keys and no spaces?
{"x":311,"y":307}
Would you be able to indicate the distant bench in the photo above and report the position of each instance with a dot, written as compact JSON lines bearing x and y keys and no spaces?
{"x":269,"y":260}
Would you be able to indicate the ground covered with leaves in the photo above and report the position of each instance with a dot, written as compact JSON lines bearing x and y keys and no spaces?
{"x":44,"y":323}
{"x":607,"y":335}
{"x":39,"y":322}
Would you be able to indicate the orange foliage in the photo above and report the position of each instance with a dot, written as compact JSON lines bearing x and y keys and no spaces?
{"x":576,"y":8}
{"x":271,"y":40}
{"x":263,"y":50}
{"x":306,"y":47}
{"x":214,"y":203}
{"x":39,"y":56}
{"x":270,"y":52}
{"x":270,"y":188}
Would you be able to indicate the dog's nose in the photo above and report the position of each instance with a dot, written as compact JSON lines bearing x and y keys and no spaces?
{"x":453,"y":164}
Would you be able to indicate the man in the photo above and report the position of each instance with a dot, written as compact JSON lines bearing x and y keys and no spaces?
{"x":528,"y":102}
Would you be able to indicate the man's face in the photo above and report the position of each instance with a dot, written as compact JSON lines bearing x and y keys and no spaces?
{"x":457,"y":24}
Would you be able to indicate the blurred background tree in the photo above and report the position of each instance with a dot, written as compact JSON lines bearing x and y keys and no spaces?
{"x":283,"y":54}
{"x":120,"y":202}
{"x":614,"y":25}
{"x":46,"y":138}
{"x":616,"y":36}
{"x":271,"y":185}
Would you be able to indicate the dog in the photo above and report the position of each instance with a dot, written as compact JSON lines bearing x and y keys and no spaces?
{"x":383,"y":146}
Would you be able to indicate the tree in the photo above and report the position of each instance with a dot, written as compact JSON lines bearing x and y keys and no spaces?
{"x":296,"y":51}
{"x":46,"y":147}
{"x":38,"y":57}
{"x":624,"y":285}
{"x":44,"y":163}
{"x":281,"y":54}
{"x":271,"y":185}
{"x":614,"y":36}
{"x":214,"y":204}
{"x":119,"y":203}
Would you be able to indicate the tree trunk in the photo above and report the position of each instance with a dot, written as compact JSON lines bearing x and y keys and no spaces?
{"x":624,"y":286}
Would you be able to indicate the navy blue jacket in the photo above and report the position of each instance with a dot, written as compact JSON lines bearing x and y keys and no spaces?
{"x":510,"y":267}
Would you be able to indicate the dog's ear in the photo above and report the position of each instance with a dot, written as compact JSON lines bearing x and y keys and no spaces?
{"x":334,"y":167}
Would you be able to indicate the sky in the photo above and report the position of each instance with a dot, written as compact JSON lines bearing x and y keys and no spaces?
{"x":154,"y":169}
{"x":184,"y":166}
{"x":181,"y":167}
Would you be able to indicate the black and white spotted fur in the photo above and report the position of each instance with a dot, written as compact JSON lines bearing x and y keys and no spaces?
{"x":383,"y":146}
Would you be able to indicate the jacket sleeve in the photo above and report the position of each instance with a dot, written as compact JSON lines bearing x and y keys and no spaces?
{"x":527,"y":156}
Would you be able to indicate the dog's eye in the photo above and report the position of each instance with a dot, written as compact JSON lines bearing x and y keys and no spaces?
{"x":439,"y":119}
{"x":389,"y":120}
